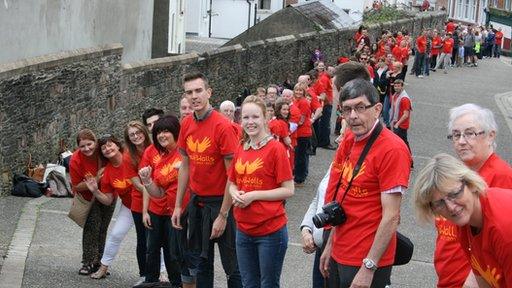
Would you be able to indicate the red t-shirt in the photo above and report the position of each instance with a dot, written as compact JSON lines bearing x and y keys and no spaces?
{"x":436,"y":41}
{"x":397,"y":53}
{"x":81,"y":167}
{"x":207,"y":142}
{"x":450,"y":27}
{"x":115,"y":180}
{"x":132,"y":171}
{"x":238,"y":130}
{"x":294,"y":118}
{"x":448,"y":46}
{"x":323,"y":85}
{"x":279,"y":128}
{"x":421,"y":44}
{"x":256,"y":170}
{"x":499,"y":37}
{"x":303,"y":130}
{"x":452,"y":266}
{"x":165,"y":175}
{"x":386,"y":166}
{"x":405,"y":104}
{"x":370,"y":71}
{"x":405,"y":55}
{"x":490,"y":251}
{"x":314,"y":103}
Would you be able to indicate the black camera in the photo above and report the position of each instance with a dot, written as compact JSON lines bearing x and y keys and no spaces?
{"x":333,"y":214}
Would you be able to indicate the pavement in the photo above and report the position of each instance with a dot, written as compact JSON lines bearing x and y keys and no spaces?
{"x":41,"y":247}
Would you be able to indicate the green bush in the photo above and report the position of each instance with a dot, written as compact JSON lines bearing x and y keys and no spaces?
{"x":384,"y":14}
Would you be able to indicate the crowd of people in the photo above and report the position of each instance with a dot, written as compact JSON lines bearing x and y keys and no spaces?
{"x":223,"y":176}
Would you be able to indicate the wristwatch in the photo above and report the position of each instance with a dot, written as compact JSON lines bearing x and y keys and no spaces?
{"x":370,"y":264}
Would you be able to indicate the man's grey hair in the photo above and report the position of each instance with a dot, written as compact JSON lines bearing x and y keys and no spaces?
{"x":226,"y":104}
{"x":481,"y":115}
{"x":359,"y":87}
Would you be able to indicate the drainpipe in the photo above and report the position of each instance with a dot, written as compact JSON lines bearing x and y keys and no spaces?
{"x":255,"y":12}
{"x":249,"y":14}
{"x":210,"y":20}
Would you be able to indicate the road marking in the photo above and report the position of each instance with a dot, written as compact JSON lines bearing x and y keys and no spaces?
{"x":13,"y":269}
{"x":504,"y":103}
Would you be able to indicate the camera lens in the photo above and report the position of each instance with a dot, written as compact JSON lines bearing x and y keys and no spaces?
{"x":320,"y":220}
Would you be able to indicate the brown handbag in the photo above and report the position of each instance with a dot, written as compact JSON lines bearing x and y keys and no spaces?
{"x":80,"y":209}
{"x":35,"y":172}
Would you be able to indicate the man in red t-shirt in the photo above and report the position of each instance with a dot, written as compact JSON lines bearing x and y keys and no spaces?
{"x":207,"y":143}
{"x":419,"y":58}
{"x":362,"y":249}
{"x":497,"y":44}
{"x":450,"y":26}
{"x":446,"y":53}
{"x":304,"y":132}
{"x":400,"y":112}
{"x":323,"y":88}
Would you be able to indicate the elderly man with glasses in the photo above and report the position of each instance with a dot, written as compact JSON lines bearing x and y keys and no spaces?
{"x":472,"y":130}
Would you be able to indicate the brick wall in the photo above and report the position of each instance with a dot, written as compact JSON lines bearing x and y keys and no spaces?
{"x":47,"y":99}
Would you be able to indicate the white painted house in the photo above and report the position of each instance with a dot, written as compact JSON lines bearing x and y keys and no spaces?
{"x":226,"y":18}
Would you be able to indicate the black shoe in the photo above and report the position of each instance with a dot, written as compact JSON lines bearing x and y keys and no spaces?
{"x":329,"y":147}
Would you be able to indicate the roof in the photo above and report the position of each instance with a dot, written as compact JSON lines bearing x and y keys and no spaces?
{"x":325,"y":13}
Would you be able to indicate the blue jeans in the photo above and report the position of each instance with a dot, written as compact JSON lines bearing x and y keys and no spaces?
{"x":419,"y":62}
{"x":385,"y":110}
{"x":318,"y":279}
{"x":261,"y":258}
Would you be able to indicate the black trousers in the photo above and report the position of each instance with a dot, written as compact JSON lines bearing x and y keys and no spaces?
{"x":341,"y":276}
{"x":141,"y":242}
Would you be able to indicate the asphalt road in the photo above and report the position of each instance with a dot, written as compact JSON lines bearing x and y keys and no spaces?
{"x":55,"y":251}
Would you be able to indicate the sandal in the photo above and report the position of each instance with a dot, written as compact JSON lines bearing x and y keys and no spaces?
{"x":85,"y":270}
{"x":101,"y":273}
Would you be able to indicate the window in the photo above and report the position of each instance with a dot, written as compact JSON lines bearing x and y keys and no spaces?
{"x":264,"y":4}
{"x":508,"y":5}
{"x":466,"y":10}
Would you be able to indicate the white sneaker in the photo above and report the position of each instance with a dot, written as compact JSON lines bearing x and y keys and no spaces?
{"x":140,"y":281}
{"x":420,"y":76}
{"x":163,"y":277}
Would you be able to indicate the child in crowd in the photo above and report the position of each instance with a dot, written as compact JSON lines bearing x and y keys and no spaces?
{"x":460,"y":54}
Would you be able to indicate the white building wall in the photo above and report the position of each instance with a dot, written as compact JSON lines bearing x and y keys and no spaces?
{"x":35,"y":28}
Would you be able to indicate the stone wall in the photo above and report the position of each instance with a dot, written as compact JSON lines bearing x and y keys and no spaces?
{"x":47,"y":99}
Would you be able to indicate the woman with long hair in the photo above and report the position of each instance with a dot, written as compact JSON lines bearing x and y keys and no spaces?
{"x":85,"y":164}
{"x":136,"y":137}
{"x":161,"y":181}
{"x":259,"y":181}
{"x":279,"y":126}
{"x":115,"y":182}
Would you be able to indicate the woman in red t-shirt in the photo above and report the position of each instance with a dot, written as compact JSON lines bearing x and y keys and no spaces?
{"x":84,"y":164}
{"x":448,"y":188}
{"x":279,"y":126}
{"x":161,"y":181}
{"x":115,"y":182}
{"x":259,"y":180}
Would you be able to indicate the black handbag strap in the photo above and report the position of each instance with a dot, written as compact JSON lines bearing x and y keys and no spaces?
{"x":371,"y":140}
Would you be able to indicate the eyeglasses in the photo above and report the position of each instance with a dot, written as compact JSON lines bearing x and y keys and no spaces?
{"x":440,"y":205}
{"x":135,"y":134}
{"x":361,"y":108}
{"x":363,"y":59}
{"x":468,"y":135}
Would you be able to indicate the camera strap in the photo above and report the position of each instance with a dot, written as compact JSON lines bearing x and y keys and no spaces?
{"x":375,"y":133}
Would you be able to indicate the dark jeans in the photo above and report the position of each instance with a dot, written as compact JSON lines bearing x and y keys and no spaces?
{"x":141,"y":242}
{"x":95,"y":232}
{"x":419,"y":62}
{"x":261,"y":258}
{"x":433,"y":61}
{"x":160,"y":237}
{"x":386,"y":106}
{"x":497,"y":50}
{"x":227,"y":256}
{"x":426,"y":65}
{"x":324,"y":127}
{"x":301,"y":159}
{"x":342,"y":276}
{"x":318,"y":279}
{"x":402,"y":133}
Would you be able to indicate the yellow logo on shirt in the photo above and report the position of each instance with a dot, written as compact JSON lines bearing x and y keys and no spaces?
{"x":248,"y":167}
{"x":156,"y":159}
{"x":121,"y":184}
{"x":489,"y":274}
{"x":170,"y":167}
{"x":447,"y":231}
{"x":198,"y":146}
